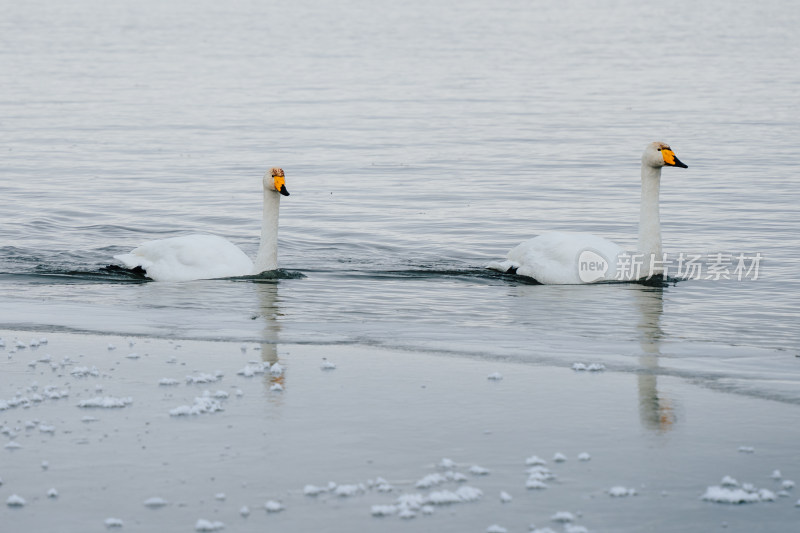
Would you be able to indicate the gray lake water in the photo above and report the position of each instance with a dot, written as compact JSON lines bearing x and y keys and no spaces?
{"x":420,"y":140}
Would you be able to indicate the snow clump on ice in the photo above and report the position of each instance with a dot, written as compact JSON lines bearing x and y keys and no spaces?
{"x":621,"y":492}
{"x":106,"y":402}
{"x":207,"y":525}
{"x":202,"y":404}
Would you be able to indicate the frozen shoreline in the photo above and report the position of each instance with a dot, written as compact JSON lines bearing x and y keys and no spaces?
{"x":343,"y":437}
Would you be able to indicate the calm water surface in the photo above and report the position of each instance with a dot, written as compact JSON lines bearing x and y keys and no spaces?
{"x":420,"y":140}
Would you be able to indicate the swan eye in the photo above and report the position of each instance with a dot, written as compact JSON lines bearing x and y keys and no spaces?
{"x":659,"y":149}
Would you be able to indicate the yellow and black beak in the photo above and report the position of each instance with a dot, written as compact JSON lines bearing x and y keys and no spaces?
{"x":280,"y":185}
{"x":671,"y":160}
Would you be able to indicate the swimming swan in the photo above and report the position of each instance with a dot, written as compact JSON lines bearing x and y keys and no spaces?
{"x":207,"y":256}
{"x":565,"y":258}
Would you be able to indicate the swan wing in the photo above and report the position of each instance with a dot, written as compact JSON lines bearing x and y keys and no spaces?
{"x":553,"y":258}
{"x":189,"y":257}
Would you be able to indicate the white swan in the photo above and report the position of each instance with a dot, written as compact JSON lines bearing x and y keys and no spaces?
{"x":207,"y":256}
{"x":564,"y":258}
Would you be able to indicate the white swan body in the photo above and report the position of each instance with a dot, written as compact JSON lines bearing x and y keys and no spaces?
{"x":552,"y":258}
{"x":566,"y":258}
{"x":192,"y":257}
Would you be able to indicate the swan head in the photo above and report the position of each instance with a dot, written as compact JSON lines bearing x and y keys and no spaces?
{"x":274,"y":180}
{"x":658,"y":154}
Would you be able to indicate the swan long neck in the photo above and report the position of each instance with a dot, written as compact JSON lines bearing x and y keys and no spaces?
{"x":649,"y":220}
{"x":267,"y":258}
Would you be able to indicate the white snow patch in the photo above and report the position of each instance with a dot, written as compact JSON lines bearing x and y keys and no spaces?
{"x":540,"y":473}
{"x":447,"y":464}
{"x":380,"y":485}
{"x":313,"y":490}
{"x":202,"y":404}
{"x":729,"y":495}
{"x":766,"y":495}
{"x":411,"y":501}
{"x":592,"y":367}
{"x":251,"y":369}
{"x":469,"y":494}
{"x":463,"y":494}
{"x":478,"y":470}
{"x":535,"y":484}
{"x":51,"y":393}
{"x":430,"y":480}
{"x":208,"y":525}
{"x":273,"y":506}
{"x":534,"y":460}
{"x":345,"y":491}
{"x":155,"y":502}
{"x":204,"y":378}
{"x":15,"y":501}
{"x":84,"y":371}
{"x":621,"y":492}
{"x":563,"y":517}
{"x":383,"y":510}
{"x":108,"y":402}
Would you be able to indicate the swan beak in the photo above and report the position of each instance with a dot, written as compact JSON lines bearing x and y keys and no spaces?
{"x":280,"y":185}
{"x":671,"y":160}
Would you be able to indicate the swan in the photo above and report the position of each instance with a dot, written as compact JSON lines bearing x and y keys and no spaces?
{"x":565,"y":258}
{"x":200,"y":256}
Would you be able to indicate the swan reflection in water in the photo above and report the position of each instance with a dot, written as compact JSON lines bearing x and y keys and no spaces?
{"x":656,"y":411}
{"x":269,"y":312}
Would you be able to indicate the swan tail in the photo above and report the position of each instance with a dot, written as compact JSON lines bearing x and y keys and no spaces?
{"x":506,"y":267}
{"x":131,"y":260}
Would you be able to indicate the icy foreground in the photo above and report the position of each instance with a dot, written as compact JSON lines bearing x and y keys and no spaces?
{"x":225,"y":436}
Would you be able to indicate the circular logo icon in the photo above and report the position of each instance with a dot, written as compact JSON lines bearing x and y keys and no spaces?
{"x":591,"y":266}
